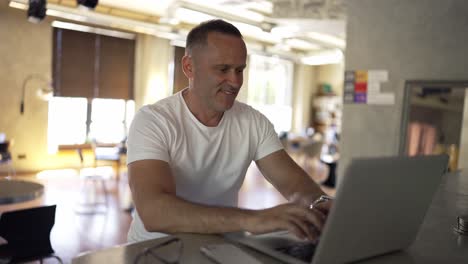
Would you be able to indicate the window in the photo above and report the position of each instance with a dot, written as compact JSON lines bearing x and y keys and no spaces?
{"x":105,"y":127}
{"x":67,"y":122}
{"x":92,"y":65}
{"x":70,"y":123}
{"x":93,"y":87}
{"x":270,"y":89}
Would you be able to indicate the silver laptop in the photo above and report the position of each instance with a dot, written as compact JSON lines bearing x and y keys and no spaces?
{"x":379,"y":207}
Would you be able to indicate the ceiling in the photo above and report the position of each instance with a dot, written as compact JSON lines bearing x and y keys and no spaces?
{"x":284,"y":27}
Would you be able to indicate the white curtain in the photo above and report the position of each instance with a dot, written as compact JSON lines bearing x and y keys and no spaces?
{"x":153,"y":69}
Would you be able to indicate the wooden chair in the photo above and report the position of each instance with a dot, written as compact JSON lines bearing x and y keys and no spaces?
{"x":93,"y":198}
{"x":27,"y":233}
{"x":111,"y":153}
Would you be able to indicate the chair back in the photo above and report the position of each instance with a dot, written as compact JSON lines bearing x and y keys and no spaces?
{"x":106,"y":151}
{"x":4,"y":146}
{"x":5,"y":154}
{"x":27,"y":232}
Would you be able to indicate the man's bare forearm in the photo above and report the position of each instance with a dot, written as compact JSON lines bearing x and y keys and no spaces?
{"x":288,"y":177}
{"x":171,"y":214}
{"x":303,"y":186}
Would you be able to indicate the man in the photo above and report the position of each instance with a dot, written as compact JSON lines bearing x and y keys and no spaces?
{"x":188,"y":153}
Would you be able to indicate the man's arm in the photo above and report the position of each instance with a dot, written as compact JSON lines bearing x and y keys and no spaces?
{"x":288,"y":178}
{"x":154,"y":195}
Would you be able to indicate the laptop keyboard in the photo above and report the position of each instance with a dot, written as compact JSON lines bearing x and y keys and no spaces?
{"x":302,"y":251}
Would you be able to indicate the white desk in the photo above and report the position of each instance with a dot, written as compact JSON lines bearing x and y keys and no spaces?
{"x":15,"y":191}
{"x":435,"y":243}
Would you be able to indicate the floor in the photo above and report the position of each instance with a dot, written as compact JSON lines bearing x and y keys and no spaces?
{"x":75,"y":232}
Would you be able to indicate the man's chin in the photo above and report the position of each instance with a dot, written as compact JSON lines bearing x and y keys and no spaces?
{"x":225,"y":107}
{"x":226,"y":104}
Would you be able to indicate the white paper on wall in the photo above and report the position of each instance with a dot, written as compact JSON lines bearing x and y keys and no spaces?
{"x":377,"y":76}
{"x":381,"y":99}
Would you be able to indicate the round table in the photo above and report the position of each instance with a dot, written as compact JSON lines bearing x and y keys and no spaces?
{"x":15,"y":191}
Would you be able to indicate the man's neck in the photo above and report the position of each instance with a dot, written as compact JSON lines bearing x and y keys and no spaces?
{"x":206,"y":116}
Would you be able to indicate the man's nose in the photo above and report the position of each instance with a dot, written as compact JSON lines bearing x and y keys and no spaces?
{"x":235,"y":79}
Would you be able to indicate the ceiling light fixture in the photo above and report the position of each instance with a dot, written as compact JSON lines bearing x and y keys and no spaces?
{"x":97,"y":18}
{"x":300,"y":44}
{"x":227,"y":12}
{"x":36,"y":10}
{"x":327,"y":39}
{"x":334,"y":56}
{"x":87,"y":4}
{"x":95,"y":30}
{"x":191,"y":16}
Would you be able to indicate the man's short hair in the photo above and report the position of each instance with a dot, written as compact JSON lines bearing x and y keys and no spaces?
{"x":198,"y":35}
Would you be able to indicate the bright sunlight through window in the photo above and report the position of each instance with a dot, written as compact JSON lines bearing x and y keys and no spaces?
{"x":270,"y":89}
{"x":68,"y":119}
{"x":107,"y":120}
{"x":67,"y":122}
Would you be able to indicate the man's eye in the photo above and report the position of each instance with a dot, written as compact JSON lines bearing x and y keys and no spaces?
{"x":224,"y":70}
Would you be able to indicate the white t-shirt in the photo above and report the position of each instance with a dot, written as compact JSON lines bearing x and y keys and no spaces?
{"x":208,"y":163}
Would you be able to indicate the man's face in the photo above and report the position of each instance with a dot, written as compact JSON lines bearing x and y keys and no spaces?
{"x":218,"y":67}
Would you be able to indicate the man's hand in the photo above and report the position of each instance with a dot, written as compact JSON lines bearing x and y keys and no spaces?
{"x":305,"y":223}
{"x":323,"y":206}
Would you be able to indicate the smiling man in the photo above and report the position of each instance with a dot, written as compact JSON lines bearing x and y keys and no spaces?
{"x":188,"y":153}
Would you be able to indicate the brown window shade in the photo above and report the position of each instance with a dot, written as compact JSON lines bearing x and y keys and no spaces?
{"x":116,"y":68}
{"x":180,"y":80}
{"x":92,"y":66}
{"x":74,"y":57}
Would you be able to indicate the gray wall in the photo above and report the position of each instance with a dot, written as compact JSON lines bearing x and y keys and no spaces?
{"x":418,"y":39}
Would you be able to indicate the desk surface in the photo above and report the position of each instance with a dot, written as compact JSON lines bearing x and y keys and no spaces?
{"x":435,"y":243}
{"x":15,"y":191}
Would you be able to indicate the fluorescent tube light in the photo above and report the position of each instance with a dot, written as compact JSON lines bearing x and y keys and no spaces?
{"x":100,"y":31}
{"x":327,"y":39}
{"x":323,"y":57}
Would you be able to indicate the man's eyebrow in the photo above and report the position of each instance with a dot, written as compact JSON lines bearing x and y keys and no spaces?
{"x":243,"y":66}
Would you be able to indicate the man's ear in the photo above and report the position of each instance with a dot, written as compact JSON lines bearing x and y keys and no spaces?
{"x":187,"y":66}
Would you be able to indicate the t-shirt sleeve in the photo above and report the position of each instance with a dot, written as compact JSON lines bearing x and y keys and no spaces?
{"x":147,"y":137}
{"x":268,"y":140}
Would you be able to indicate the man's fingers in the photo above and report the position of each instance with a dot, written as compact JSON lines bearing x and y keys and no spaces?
{"x":311,"y":222}
{"x":324,"y":207}
{"x":304,"y":227}
{"x":299,"y":220}
{"x":310,"y":216}
{"x":295,"y":229}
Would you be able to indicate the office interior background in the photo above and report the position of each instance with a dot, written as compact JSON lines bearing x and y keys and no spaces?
{"x":78,"y":76}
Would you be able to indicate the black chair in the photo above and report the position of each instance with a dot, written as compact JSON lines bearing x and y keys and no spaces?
{"x":5,"y":158}
{"x":27,"y":233}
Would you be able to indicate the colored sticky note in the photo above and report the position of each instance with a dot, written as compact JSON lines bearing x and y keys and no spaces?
{"x":360,"y":87}
{"x":361,"y":76}
{"x":348,"y":97}
{"x":349,"y":76}
{"x":349,"y":87}
{"x":360,"y":98}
